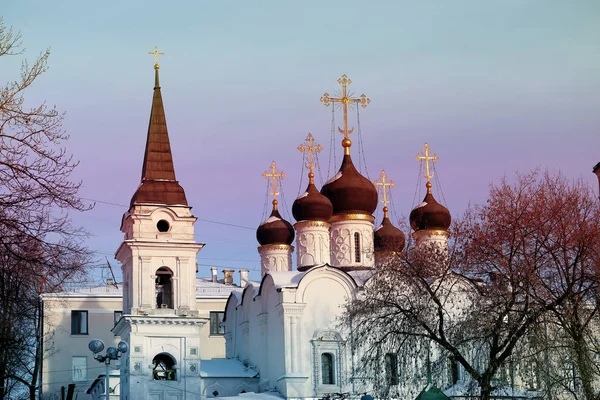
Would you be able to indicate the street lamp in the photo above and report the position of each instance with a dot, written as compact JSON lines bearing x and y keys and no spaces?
{"x":112,"y":353}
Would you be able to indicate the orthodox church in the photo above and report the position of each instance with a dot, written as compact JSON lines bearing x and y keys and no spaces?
{"x":281,"y":333}
{"x":285,"y":326}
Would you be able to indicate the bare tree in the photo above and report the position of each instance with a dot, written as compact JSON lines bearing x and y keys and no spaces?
{"x":475,"y":305}
{"x":39,"y":247}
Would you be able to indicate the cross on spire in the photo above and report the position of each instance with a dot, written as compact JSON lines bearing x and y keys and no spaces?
{"x":156,"y":54}
{"x":384,"y":185}
{"x":426,"y":157}
{"x":311,"y":148}
{"x":346,"y":100}
{"x":273,"y":175}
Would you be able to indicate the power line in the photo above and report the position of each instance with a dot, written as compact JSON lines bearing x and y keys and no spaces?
{"x":199,"y":219}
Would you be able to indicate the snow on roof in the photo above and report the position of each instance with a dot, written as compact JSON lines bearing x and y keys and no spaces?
{"x":302,"y":195}
{"x":237,"y":293}
{"x":255,"y":396}
{"x":272,"y":218}
{"x":283,"y":279}
{"x":334,"y":178}
{"x":360,"y":277}
{"x":92,"y":291}
{"x":205,"y":287}
{"x":423,"y":204}
{"x":225,"y":368}
{"x":378,"y":228}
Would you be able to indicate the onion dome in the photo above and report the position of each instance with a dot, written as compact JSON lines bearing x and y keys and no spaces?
{"x":349,"y":191}
{"x":275,"y":230}
{"x":312,"y":206}
{"x":387,"y":237}
{"x":430,"y":214}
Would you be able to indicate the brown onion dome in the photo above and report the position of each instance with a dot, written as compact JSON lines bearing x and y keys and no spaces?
{"x":350,"y":192}
{"x":388,"y":238}
{"x":312,"y":206}
{"x":275,"y":230}
{"x":430,"y":214}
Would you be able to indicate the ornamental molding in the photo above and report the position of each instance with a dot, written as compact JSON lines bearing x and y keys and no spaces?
{"x":312,"y":224}
{"x":174,"y":320}
{"x":275,"y":247}
{"x":291,"y":308}
{"x":435,"y":233}
{"x":352,"y":217}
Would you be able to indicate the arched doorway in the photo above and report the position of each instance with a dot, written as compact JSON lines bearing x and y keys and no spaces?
{"x":163,"y":367}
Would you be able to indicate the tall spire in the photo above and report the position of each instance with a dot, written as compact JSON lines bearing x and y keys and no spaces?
{"x":159,"y":185}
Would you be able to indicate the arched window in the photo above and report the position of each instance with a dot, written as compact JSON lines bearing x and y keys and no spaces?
{"x":327,"y":375}
{"x":356,"y":247}
{"x":391,"y":369}
{"x":164,"y":367}
{"x":164,"y":288}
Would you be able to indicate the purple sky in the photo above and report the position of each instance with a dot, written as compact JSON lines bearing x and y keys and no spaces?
{"x":493,"y":87}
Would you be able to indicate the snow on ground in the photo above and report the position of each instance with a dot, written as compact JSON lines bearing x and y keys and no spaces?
{"x":255,"y":396}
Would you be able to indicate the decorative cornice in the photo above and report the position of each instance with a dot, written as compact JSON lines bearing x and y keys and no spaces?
{"x":305,"y":224}
{"x":164,"y":320}
{"x":280,"y":247}
{"x":431,"y":232}
{"x":352,"y":217}
{"x":291,"y":308}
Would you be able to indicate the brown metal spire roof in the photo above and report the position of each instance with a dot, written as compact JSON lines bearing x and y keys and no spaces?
{"x":159,"y":185}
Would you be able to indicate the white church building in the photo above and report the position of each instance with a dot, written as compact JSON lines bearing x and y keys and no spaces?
{"x":281,"y":335}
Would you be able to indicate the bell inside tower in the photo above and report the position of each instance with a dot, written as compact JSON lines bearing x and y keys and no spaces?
{"x":164,"y":288}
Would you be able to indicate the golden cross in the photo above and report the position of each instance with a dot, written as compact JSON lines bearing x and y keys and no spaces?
{"x":346,"y":100}
{"x":311,"y":148}
{"x":274,"y":174}
{"x":428,"y":173}
{"x":156,"y":53}
{"x":384,"y":185}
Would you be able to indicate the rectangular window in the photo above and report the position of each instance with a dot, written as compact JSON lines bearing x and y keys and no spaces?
{"x":216,"y":326}
{"x":118,"y":315}
{"x":79,"y":322}
{"x":79,"y":369}
{"x":356,"y":247}
{"x":327,"y":367}
{"x":391,"y":368}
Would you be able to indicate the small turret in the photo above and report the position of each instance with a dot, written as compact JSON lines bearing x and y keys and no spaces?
{"x":388,"y":240}
{"x":430,"y":220}
{"x":275,"y":235}
{"x":312,"y":210}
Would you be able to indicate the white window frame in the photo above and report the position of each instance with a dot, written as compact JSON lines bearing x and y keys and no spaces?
{"x":79,"y":368}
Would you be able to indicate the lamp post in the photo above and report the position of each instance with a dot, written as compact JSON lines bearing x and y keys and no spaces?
{"x":112,"y":353}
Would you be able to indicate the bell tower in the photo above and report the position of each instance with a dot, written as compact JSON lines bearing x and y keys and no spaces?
{"x":158,"y":256}
{"x":158,"y":253}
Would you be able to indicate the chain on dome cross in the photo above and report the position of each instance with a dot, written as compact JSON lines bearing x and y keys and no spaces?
{"x":273,"y":175}
{"x":156,"y":54}
{"x":384,"y":185}
{"x":312,"y":148}
{"x":428,"y":173}
{"x":346,"y":100}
